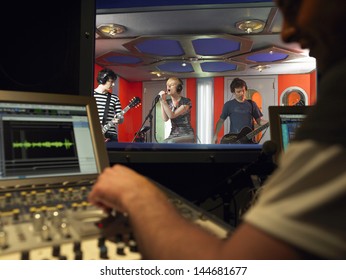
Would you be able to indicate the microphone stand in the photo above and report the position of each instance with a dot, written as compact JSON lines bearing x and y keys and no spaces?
{"x":262,"y":167}
{"x":234,"y":183}
{"x":150,"y":117}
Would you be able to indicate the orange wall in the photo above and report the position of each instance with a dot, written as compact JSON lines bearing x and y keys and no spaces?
{"x":313,"y":88}
{"x":191,"y":92}
{"x":305,"y":81}
{"x":97,"y":68}
{"x":133,"y":117}
{"x":218,"y":102}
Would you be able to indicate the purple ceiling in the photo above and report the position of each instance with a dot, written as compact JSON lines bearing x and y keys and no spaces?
{"x":193,"y":39}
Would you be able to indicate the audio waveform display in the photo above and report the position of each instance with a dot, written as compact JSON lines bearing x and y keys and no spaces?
{"x":47,"y":144}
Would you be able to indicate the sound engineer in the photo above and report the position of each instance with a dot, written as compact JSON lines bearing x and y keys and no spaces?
{"x":300,"y":211}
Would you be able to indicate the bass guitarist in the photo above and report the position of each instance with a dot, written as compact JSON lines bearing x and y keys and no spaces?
{"x":108,"y":104}
{"x":242,"y":112}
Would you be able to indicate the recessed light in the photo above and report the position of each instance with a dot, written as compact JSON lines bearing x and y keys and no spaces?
{"x":157,"y":73}
{"x":250,"y":26}
{"x":260,"y":68}
{"x":111,"y":29}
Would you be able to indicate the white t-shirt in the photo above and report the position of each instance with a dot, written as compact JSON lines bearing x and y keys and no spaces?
{"x":304,"y":200}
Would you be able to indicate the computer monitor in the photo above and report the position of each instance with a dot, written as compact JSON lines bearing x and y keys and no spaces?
{"x":49,"y":137}
{"x":284,"y":121}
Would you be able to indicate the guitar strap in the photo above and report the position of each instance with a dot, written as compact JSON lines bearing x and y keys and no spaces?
{"x":251,"y":113}
{"x":105,"y":113}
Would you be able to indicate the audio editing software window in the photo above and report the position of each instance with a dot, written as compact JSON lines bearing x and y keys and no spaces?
{"x":45,"y":140}
{"x":289,"y":124}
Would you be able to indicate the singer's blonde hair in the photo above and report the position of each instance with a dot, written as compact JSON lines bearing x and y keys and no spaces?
{"x":179,"y":81}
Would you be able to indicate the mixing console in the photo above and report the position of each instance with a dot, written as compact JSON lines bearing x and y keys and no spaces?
{"x":57,"y":222}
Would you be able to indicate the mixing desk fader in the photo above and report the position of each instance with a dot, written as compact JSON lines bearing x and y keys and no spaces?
{"x":57,"y":222}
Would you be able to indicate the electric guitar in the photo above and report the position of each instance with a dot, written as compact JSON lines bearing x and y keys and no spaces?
{"x":244,"y":136}
{"x":134,"y":102}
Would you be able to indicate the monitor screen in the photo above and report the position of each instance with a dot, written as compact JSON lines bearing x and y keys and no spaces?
{"x":284,"y":121}
{"x":48,"y":135}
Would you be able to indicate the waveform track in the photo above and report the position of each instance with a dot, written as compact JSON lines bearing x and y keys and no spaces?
{"x":47,"y":144}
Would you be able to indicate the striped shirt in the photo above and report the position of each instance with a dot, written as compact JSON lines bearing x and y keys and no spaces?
{"x":114,"y":108}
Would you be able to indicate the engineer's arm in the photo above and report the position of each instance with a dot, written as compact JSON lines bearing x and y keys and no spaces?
{"x":162,"y":233}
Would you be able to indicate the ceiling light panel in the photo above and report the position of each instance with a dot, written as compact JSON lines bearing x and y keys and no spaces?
{"x":215,"y":46}
{"x":175,"y":67}
{"x":205,"y":46}
{"x":269,"y":55}
{"x":160,"y":47}
{"x":218,"y":66}
{"x":117,"y":58}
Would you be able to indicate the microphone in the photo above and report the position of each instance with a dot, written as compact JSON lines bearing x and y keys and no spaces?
{"x":243,"y":179}
{"x":269,"y":149}
{"x":159,"y":95}
{"x":157,"y":98}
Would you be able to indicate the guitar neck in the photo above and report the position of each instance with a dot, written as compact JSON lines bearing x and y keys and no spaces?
{"x":257,"y":130}
{"x":123,"y":111}
{"x":111,"y":123}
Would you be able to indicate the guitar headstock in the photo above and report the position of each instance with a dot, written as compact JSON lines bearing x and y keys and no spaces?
{"x":135,"y":102}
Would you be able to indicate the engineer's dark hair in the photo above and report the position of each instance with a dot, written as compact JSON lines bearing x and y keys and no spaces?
{"x":238,"y":83}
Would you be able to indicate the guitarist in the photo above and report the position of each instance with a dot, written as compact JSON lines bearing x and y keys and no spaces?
{"x":242,"y":112}
{"x":108,"y":104}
